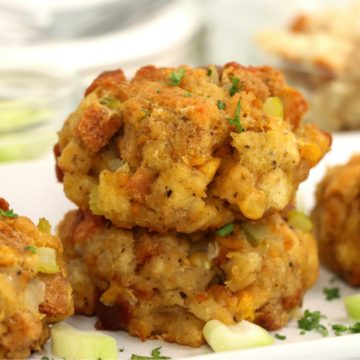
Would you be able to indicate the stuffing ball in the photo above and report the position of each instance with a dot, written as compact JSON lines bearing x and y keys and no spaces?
{"x":34,"y":290}
{"x":158,"y":285}
{"x":336,"y":219}
{"x":187,"y":149}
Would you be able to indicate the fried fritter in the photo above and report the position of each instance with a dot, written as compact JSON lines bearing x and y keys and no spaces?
{"x":168,"y":285}
{"x":32,"y":293}
{"x":336,"y":220}
{"x":187,"y":149}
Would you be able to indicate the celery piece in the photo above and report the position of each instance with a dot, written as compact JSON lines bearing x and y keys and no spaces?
{"x":70,"y":343}
{"x":47,"y":260}
{"x":234,"y":337}
{"x":299,"y":220}
{"x":273,"y":107}
{"x":352,"y":305}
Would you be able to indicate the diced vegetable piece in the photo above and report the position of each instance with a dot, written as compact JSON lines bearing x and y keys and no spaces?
{"x":299,"y":220}
{"x":352,"y":305}
{"x":44,"y":226}
{"x":110,"y":102}
{"x":273,"y":106}
{"x":256,"y":232}
{"x":70,"y":343}
{"x":47,"y":260}
{"x":242,"y":335}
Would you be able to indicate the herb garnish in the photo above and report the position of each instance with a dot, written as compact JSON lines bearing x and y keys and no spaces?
{"x":339,"y":329}
{"x":209,"y":72}
{"x":8,"y":213}
{"x":235,"y":86}
{"x":176,"y":76}
{"x":236,"y":120}
{"x":332,"y":293}
{"x":30,"y":248}
{"x":355,"y":329}
{"x":225,"y":230}
{"x":311,"y":321}
{"x":155,"y":355}
{"x":280,"y":337}
{"x":121,"y":349}
{"x":221,"y":105}
{"x":45,"y":358}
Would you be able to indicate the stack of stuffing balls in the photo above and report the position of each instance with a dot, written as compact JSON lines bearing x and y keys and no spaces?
{"x":185,"y":180}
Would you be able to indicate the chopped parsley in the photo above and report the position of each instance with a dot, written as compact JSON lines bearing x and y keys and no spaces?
{"x":221,"y":105}
{"x":355,"y":329}
{"x":121,"y":349}
{"x":8,"y":213}
{"x":235,"y":86}
{"x":339,"y":329}
{"x":225,"y":230}
{"x":280,"y":337}
{"x":30,"y":248}
{"x":332,"y":293}
{"x":209,"y":72}
{"x":236,"y":120}
{"x":175,"y":77}
{"x":155,"y":355}
{"x":311,"y":321}
{"x":187,"y":94}
{"x":45,"y":358}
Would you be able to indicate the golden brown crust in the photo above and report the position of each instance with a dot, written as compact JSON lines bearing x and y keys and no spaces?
{"x":29,"y":300}
{"x":106,"y":80}
{"x":173,"y":158}
{"x":155,"y":286}
{"x":337,"y":220}
{"x":96,"y":127}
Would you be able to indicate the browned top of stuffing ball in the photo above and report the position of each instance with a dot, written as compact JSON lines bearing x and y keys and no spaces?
{"x":32,"y":296}
{"x":187,"y":149}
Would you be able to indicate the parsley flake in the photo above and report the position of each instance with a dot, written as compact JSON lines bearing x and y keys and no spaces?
{"x":235,"y":86}
{"x":221,"y":105}
{"x":155,"y":355}
{"x":355,"y":329}
{"x":339,"y":329}
{"x":209,"y":72}
{"x":121,"y":349}
{"x":332,"y":293}
{"x":30,"y":248}
{"x":8,"y":213}
{"x":45,"y":358}
{"x":280,"y":337}
{"x":236,"y":120}
{"x":311,"y":321}
{"x":225,"y":230}
{"x":176,"y":76}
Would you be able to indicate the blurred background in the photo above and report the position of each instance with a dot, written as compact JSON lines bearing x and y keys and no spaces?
{"x":51,"y":50}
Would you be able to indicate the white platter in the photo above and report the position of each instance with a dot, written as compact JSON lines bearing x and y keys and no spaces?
{"x":32,"y":190}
